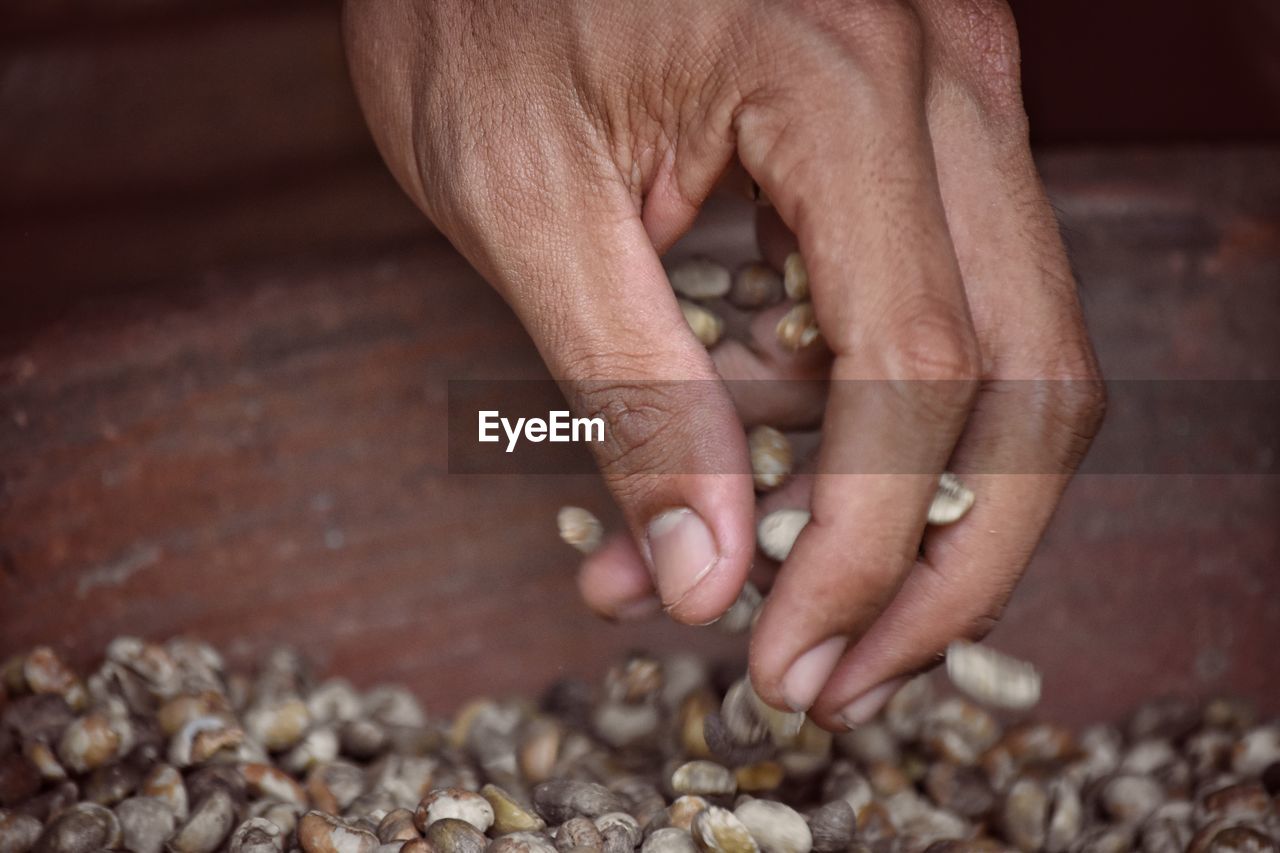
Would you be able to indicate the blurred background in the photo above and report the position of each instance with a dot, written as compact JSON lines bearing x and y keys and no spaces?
{"x":225,"y":337}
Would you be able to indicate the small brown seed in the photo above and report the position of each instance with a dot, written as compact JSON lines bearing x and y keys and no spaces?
{"x":1258,"y":748}
{"x":620,"y":832}
{"x":992,"y":677}
{"x":278,"y":725}
{"x":558,"y":800}
{"x":777,"y":532}
{"x":1130,"y":799}
{"x":951,"y":502}
{"x":683,"y":810}
{"x":455,"y":803}
{"x":334,"y":786}
{"x":164,"y":783}
{"x":717,"y":829}
{"x":1243,"y":800}
{"x":756,"y":285}
{"x":798,"y":328}
{"x":522,"y":842}
{"x":776,"y":827}
{"x":89,"y":742}
{"x":771,"y":458}
{"x":831,"y":827}
{"x":146,"y":824}
{"x":508,"y":815}
{"x":451,"y":835}
{"x":700,"y":278}
{"x":1024,"y":814}
{"x":46,"y":672}
{"x":257,"y":835}
{"x":706,"y":326}
{"x":795,"y":277}
{"x":669,"y":840}
{"x":323,"y":833}
{"x":397,"y":825}
{"x":704,"y":779}
{"x":18,"y":832}
{"x":80,"y":828}
{"x":208,"y":825}
{"x":579,"y":833}
{"x":579,"y":528}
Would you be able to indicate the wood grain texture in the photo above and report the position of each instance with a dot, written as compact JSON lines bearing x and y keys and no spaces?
{"x":256,"y":456}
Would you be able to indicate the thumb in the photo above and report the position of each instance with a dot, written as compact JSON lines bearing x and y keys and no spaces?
{"x":593,"y":295}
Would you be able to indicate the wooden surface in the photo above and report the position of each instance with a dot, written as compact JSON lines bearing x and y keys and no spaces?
{"x":256,"y":454}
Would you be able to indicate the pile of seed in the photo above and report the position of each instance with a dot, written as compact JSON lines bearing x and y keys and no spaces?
{"x":163,"y":748}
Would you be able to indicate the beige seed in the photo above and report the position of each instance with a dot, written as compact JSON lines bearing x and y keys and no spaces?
{"x":756,"y":285}
{"x":776,"y":827}
{"x":741,"y":614}
{"x":700,"y":278}
{"x":991,"y":677}
{"x":719,"y":830}
{"x":778,"y":531}
{"x":795,"y":277}
{"x":951,"y":501}
{"x":770,"y":457}
{"x":456,"y":803}
{"x":703,"y":779}
{"x":579,"y":528}
{"x":706,"y":326}
{"x":798,"y":328}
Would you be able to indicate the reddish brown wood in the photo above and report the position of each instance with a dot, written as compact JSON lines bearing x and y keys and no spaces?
{"x":257,"y":456}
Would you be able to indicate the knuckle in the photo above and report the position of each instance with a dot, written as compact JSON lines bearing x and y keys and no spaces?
{"x":929,"y":340}
{"x":641,"y":424}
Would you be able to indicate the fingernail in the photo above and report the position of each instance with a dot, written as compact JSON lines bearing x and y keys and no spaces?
{"x":682,"y":551}
{"x":634,"y":611}
{"x":803,"y":682}
{"x":866,"y":706}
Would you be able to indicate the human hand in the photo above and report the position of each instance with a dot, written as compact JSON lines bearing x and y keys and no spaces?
{"x":563,"y":145}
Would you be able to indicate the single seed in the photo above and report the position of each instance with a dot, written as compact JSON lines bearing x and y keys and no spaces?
{"x":798,"y":328}
{"x":740,"y":616}
{"x":756,"y":285}
{"x":455,"y":803}
{"x":706,"y":326}
{"x":777,"y":532}
{"x":992,"y":677}
{"x":508,"y":815}
{"x":719,"y":830}
{"x":579,"y":528}
{"x":256,"y":835}
{"x":703,"y":779}
{"x":700,"y":278}
{"x":770,"y":457}
{"x":951,"y":501}
{"x":776,"y":827}
{"x":669,"y":839}
{"x":795,"y":277}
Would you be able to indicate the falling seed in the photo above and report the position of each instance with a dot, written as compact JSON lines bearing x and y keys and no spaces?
{"x":991,"y":677}
{"x":700,"y":278}
{"x":798,"y":328}
{"x":770,"y":457}
{"x":952,"y":500}
{"x":579,"y":528}
{"x":777,"y":532}
{"x":795,"y":277}
{"x":706,"y":326}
